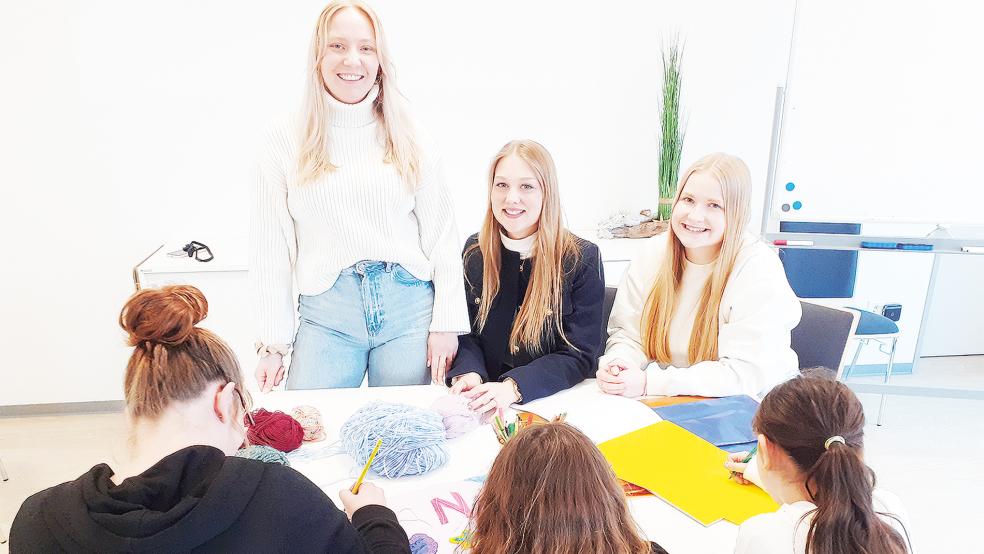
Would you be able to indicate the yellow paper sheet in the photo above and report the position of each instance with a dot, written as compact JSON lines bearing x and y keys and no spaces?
{"x":686,"y":471}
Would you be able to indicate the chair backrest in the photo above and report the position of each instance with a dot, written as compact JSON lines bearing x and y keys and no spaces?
{"x":821,"y":336}
{"x":817,"y":273}
{"x":606,"y":312}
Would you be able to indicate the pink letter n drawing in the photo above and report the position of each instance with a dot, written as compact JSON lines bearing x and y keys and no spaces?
{"x":459,"y":506}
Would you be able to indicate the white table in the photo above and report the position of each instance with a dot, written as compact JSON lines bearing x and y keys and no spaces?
{"x":471,"y":455}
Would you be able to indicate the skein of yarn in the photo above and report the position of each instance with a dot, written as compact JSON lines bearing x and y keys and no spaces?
{"x":414,"y":439}
{"x":275,"y":429}
{"x":310,"y":419}
{"x":458,"y":417}
{"x":264,"y":453}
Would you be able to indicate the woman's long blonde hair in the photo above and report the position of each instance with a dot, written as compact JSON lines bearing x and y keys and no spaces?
{"x":736,"y":183}
{"x":542,"y":306}
{"x":395,"y":125}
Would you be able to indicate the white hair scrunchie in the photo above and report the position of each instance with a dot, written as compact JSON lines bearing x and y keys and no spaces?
{"x":832,"y":440}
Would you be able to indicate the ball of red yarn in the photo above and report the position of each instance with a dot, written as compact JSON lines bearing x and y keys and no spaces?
{"x":275,"y":429}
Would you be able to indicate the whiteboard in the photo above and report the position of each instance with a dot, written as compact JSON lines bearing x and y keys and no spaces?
{"x":883,"y":117}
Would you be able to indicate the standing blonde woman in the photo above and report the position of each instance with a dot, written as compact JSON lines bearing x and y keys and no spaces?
{"x":535,"y":290}
{"x":706,"y":310}
{"x":351,"y":206}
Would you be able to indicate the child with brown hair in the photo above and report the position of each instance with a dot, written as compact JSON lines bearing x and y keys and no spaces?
{"x":810,"y":459}
{"x":551,"y":491}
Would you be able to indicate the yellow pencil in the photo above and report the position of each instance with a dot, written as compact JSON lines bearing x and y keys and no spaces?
{"x":358,"y":483}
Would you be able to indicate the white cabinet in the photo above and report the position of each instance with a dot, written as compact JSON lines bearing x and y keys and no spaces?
{"x":225,"y":284}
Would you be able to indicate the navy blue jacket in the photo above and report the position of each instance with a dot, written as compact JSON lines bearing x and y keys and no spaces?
{"x":558,"y":366}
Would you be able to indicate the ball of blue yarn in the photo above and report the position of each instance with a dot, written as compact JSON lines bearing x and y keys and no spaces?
{"x":414,"y":440}
{"x":263,"y":453}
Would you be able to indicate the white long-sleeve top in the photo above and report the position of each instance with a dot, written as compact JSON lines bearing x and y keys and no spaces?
{"x":361,"y":211}
{"x":784,"y":531}
{"x":758,"y":310}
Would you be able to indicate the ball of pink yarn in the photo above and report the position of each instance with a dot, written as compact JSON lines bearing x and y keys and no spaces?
{"x":458,"y":417}
{"x":275,"y":429}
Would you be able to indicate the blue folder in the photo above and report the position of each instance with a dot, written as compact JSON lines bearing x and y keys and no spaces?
{"x":724,"y":422}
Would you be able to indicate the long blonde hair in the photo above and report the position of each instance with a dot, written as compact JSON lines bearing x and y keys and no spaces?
{"x":542,"y":306}
{"x":736,"y":183}
{"x":395,"y":126}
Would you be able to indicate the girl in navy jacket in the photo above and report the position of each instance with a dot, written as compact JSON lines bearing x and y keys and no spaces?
{"x":534,"y":290}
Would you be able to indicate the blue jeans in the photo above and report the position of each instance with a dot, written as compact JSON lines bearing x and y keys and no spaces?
{"x":375,"y":317}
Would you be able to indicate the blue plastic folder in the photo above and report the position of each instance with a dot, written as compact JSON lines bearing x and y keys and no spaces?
{"x":724,"y":422}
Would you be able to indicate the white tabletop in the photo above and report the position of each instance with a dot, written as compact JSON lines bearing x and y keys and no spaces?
{"x":471,"y":455}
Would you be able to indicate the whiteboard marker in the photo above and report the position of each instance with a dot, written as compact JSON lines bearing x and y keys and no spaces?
{"x":793,"y":242}
{"x":972,"y":249}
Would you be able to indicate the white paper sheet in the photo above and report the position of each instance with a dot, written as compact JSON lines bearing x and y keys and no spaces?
{"x":598,"y":415}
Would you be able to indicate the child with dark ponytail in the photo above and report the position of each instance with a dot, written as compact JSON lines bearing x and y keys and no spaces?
{"x":810,"y":459}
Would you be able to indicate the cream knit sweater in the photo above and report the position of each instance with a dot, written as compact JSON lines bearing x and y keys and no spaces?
{"x":361,"y":211}
{"x":758,"y":311}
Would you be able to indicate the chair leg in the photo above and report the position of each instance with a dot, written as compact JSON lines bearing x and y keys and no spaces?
{"x":888,"y":375}
{"x":3,"y":475}
{"x":847,"y":370}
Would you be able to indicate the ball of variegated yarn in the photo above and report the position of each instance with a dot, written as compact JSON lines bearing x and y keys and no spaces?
{"x":310,"y":419}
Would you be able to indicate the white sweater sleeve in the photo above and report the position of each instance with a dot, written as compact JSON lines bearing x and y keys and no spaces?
{"x":768,"y":533}
{"x":760,"y":310}
{"x":439,"y":243}
{"x":625,"y":322}
{"x":273,"y":246}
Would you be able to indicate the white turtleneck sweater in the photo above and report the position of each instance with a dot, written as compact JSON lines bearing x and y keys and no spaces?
{"x":361,"y":211}
{"x":758,"y":310}
{"x":523,"y":246}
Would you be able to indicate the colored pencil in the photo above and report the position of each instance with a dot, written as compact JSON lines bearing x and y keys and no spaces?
{"x":358,"y":483}
{"x":500,"y":433}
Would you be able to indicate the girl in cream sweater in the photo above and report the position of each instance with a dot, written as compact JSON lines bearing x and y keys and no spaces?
{"x":707,"y":309}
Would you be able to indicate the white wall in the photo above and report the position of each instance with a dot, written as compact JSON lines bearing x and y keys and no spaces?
{"x":129,"y":124}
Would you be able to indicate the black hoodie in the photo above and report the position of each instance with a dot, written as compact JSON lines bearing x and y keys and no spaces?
{"x":199,"y":500}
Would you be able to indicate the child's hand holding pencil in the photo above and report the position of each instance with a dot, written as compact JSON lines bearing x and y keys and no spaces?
{"x":368,"y":495}
{"x":363,"y":494}
{"x":737,"y":462}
